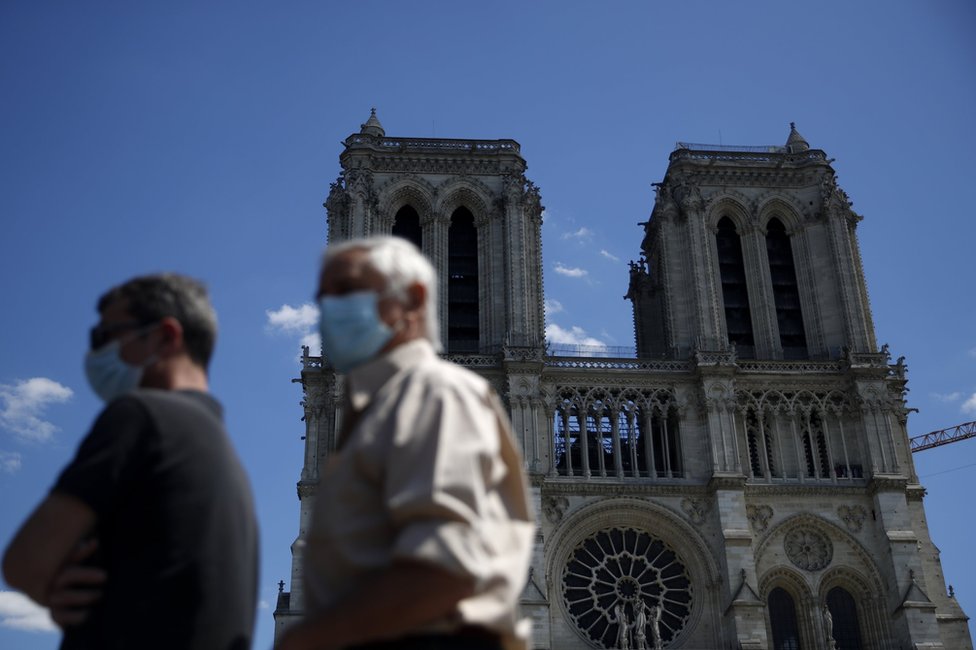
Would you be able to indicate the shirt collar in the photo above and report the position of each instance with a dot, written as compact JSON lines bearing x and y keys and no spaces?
{"x":364,"y":381}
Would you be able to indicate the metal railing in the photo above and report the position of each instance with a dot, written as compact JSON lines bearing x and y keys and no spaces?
{"x":694,"y":146}
{"x":438,"y":144}
{"x":602,"y":351}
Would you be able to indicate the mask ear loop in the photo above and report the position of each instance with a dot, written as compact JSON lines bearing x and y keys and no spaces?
{"x":142,"y":331}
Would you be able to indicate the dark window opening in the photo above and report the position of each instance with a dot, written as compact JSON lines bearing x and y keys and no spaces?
{"x":843,"y":610}
{"x":786,"y":292}
{"x":815,"y":448}
{"x":760,"y":442}
{"x":406,"y":224}
{"x":782,"y":618}
{"x":462,"y":283}
{"x":666,"y":444}
{"x":735,"y":294}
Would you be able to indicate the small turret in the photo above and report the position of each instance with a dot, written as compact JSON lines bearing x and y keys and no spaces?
{"x":372,"y":126}
{"x":796,"y":142}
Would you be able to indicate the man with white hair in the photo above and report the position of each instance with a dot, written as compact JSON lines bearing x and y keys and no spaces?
{"x":422,"y":531}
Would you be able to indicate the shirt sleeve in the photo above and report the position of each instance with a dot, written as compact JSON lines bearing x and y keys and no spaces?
{"x":110,"y":457}
{"x":443,"y":459}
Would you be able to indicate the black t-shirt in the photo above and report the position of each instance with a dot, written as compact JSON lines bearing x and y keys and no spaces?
{"x":175,"y":523}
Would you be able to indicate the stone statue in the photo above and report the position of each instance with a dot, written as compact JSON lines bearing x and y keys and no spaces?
{"x":829,"y":627}
{"x":623,"y":627}
{"x":656,"y":628}
{"x":640,"y":626}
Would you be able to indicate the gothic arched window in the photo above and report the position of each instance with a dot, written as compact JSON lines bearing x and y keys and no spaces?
{"x":758,"y":435}
{"x":406,"y":224}
{"x":814,"y":441}
{"x":786,"y":293}
{"x":843,"y":611}
{"x":462,"y":283}
{"x":782,"y":618}
{"x":665,"y":443}
{"x":735,"y":294}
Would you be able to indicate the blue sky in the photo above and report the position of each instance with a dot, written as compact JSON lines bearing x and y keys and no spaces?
{"x":202,"y":137}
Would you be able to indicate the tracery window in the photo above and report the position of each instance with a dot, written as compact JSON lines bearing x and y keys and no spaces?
{"x":735,"y":293}
{"x":786,"y":293}
{"x":814,"y":443}
{"x":759,"y":434}
{"x":665,"y":446}
{"x":799,"y":435}
{"x":406,"y":224}
{"x":462,"y":283}
{"x":846,"y":628}
{"x":626,"y":589}
{"x":782,"y":619}
{"x":615,"y":437}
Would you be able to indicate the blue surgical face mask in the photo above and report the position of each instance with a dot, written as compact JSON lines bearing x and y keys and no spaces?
{"x":351,"y":329}
{"x":110,"y":376}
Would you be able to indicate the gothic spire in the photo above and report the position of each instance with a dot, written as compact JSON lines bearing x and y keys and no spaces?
{"x":372,"y":126}
{"x":796,"y":142}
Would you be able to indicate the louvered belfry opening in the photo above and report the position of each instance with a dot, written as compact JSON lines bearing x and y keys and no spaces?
{"x":735,"y":294}
{"x":786,"y":293}
{"x":462,"y":283}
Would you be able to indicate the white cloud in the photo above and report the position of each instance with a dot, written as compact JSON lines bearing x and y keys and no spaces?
{"x":972,"y":352}
{"x":583,"y":234}
{"x":570,"y":271}
{"x":23,"y":404}
{"x":575,"y":335}
{"x":553,"y":307}
{"x":610,"y":256}
{"x":969,"y":406}
{"x":947,"y":397}
{"x":301,"y":321}
{"x":18,"y":612}
{"x":263,"y":604}
{"x":293,"y":320}
{"x":9,"y":462}
{"x":313,"y":341}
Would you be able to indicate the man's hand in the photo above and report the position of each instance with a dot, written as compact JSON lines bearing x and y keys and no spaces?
{"x":76,"y":587}
{"x":44,"y":544}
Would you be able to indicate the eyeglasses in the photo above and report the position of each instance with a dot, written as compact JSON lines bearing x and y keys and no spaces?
{"x":102,"y":334}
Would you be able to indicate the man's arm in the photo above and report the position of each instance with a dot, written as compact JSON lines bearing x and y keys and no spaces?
{"x":44,"y":543}
{"x":387,"y":604}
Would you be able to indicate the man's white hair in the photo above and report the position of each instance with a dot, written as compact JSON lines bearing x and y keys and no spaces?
{"x":401,"y":264}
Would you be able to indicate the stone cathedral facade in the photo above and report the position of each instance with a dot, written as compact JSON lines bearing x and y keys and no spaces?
{"x":744,"y":481}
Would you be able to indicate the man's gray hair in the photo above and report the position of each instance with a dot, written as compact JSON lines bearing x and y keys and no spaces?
{"x":150,"y":298}
{"x":402,"y":264}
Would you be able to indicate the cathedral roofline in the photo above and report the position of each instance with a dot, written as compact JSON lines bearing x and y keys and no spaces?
{"x":710,"y":154}
{"x":372,"y":137}
{"x":796,"y":152}
{"x":359,"y":141}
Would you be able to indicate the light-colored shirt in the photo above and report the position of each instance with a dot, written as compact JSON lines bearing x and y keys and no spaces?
{"x":425,"y":470}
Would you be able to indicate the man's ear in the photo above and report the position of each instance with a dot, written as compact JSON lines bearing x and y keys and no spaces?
{"x":171,"y":336}
{"x":416,"y":297}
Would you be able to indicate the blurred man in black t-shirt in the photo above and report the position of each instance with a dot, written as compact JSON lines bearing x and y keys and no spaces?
{"x":148,"y":538}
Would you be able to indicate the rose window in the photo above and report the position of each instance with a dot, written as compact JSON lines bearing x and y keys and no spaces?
{"x":622,"y":583}
{"x":808,"y":548}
